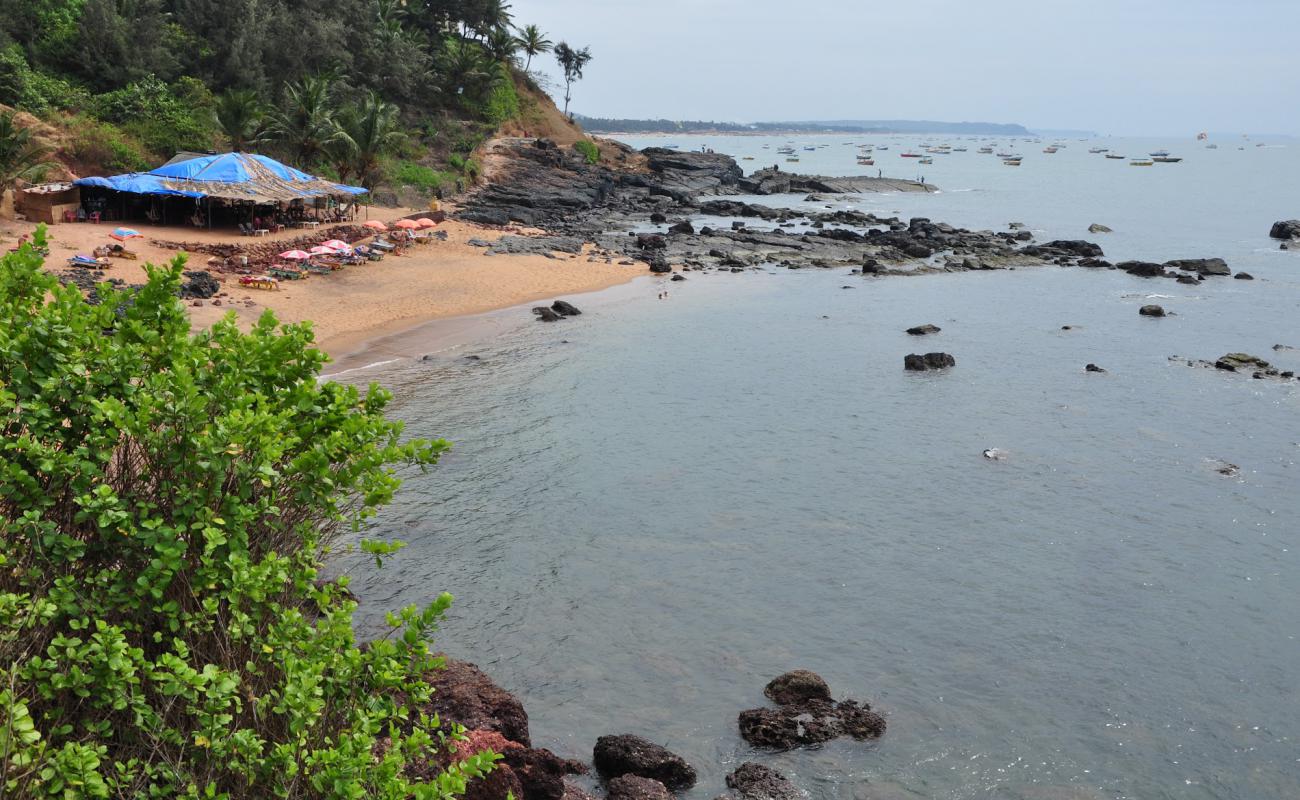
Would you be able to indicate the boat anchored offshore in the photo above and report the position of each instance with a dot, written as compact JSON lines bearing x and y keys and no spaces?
{"x":1166,"y":160}
{"x":1116,"y":156}
{"x":1159,"y":154}
{"x":1139,"y":162}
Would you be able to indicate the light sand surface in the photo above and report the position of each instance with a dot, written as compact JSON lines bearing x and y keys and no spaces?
{"x":360,"y":303}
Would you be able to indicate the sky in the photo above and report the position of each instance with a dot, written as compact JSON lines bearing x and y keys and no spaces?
{"x":1141,"y":67}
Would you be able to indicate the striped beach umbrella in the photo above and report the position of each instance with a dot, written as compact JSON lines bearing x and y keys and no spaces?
{"x":295,"y":255}
{"x":336,"y":244}
{"x":322,"y":250}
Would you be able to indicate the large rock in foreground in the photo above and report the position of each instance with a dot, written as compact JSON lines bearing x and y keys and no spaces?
{"x":463,"y":693}
{"x":757,"y":782}
{"x":615,"y":756}
{"x":634,"y":787}
{"x":807,"y":715}
{"x":1286,"y":229}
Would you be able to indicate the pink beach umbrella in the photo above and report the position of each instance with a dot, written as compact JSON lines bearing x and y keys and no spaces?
{"x":322,"y":250}
{"x":408,"y":224}
{"x":375,"y":225}
{"x":425,"y":222}
{"x":295,"y":255}
{"x":336,"y":245}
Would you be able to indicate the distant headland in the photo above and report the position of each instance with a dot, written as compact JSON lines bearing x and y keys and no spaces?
{"x":600,"y":125}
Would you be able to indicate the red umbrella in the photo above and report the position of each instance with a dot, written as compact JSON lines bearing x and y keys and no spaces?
{"x":425,"y":222}
{"x":375,"y":225}
{"x":295,"y":255}
{"x":408,"y":224}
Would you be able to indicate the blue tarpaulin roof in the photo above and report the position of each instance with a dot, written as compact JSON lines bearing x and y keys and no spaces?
{"x":232,"y":176}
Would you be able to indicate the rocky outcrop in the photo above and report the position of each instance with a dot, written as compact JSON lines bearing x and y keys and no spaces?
{"x":686,"y":174}
{"x":462,"y":693}
{"x":1241,"y":362}
{"x":1152,"y":311}
{"x":1286,"y":229}
{"x":1142,"y":269}
{"x":631,"y":755}
{"x":1201,"y":266}
{"x":756,"y":782}
{"x":1097,"y":227}
{"x":1244,"y":276}
{"x":1093,"y":368}
{"x":809,"y":717}
{"x":545,"y":314}
{"x":565,"y":308}
{"x":773,"y":181}
{"x":930,"y":361}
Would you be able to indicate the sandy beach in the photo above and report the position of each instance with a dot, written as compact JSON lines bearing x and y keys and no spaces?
{"x":356,"y":305}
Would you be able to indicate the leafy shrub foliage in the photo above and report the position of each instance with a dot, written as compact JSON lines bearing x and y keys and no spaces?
{"x":588,"y":149}
{"x":166,"y":500}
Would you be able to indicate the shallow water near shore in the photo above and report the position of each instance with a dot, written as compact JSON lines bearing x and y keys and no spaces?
{"x":654,"y":508}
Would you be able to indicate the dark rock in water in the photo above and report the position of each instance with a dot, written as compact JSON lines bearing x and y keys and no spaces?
{"x":1095,"y":263}
{"x":1151,"y":311}
{"x":679,"y":277}
{"x":651,"y":241}
{"x":1201,"y":266}
{"x":922,"y":330}
{"x":683,"y":227}
{"x":527,"y":773}
{"x":1286,"y":229}
{"x":658,"y":218}
{"x":546,"y":315}
{"x":1067,"y":327}
{"x":1142,"y":269}
{"x":1093,"y":368}
{"x":929,"y":361}
{"x":813,"y":722}
{"x":464,"y":694}
{"x":1076,"y":247}
{"x":1244,"y":276}
{"x":1284,"y":347}
{"x":565,"y":309}
{"x":757,"y":782}
{"x":661,"y":267}
{"x":634,"y":787}
{"x":631,"y":755}
{"x":1240,"y":362}
{"x":796,"y":687}
{"x":1188,"y":279}
{"x":1227,"y":469}
{"x":916,"y":250}
{"x":1097,"y":227}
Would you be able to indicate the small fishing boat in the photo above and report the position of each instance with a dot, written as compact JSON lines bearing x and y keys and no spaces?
{"x":1141,"y":163}
{"x":1011,"y":162}
{"x":785,"y":150}
{"x":1166,"y":160}
{"x":1050,"y":149}
{"x":1114,"y":156}
{"x":1006,"y":155}
{"x":986,"y":151}
{"x":810,"y":148}
{"x":747,"y":158}
{"x":1159,"y":154}
{"x":793,"y":159}
{"x":1211,"y":147}
{"x":959,"y":149}
{"x":1097,"y":150}
{"x":926,"y":161}
{"x":909,"y":155}
{"x":882,"y":147}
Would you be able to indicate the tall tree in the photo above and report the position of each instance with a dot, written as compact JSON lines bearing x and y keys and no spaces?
{"x":368,"y":130}
{"x":21,"y":156}
{"x":533,"y":42}
{"x":305,"y":125}
{"x":241,"y":119}
{"x":501,"y":46}
{"x":464,"y":67}
{"x":572,"y":62}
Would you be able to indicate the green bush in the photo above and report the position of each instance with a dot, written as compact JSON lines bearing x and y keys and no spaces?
{"x":588,"y":149}
{"x":420,"y":177}
{"x":503,"y":101}
{"x":166,"y":501}
{"x":104,"y":145}
{"x":165,"y":119}
{"x":33,"y":91}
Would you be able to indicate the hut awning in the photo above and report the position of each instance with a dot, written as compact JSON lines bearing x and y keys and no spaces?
{"x":228,"y":176}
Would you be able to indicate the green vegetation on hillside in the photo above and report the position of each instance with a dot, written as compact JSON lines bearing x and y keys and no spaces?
{"x":166,"y":503}
{"x":346,"y":87}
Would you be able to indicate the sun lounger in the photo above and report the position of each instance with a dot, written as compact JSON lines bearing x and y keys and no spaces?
{"x":259,"y":282}
{"x":88,"y":262}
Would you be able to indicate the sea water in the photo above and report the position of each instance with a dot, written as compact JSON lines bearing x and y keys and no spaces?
{"x":654,"y":508}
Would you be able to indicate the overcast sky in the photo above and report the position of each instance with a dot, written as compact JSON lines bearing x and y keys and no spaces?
{"x":1113,"y":66}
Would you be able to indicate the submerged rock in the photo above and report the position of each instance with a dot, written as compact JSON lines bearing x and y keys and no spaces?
{"x":565,"y":309}
{"x":1240,"y":362}
{"x":806,"y":715}
{"x":627,"y":754}
{"x":922,"y":330}
{"x":930,"y":361}
{"x":545,"y":314}
{"x":634,"y":787}
{"x":1244,"y":276}
{"x":1093,"y":368}
{"x":757,"y":782}
{"x":1097,"y":227}
{"x":797,"y":686}
{"x":1151,"y":311}
{"x":1201,"y":266}
{"x":1286,"y":229}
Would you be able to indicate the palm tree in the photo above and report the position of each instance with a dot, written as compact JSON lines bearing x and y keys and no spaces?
{"x":501,"y":46}
{"x":241,"y":119}
{"x":533,"y":42}
{"x":306,"y":125}
{"x":21,"y":156}
{"x":368,"y":131}
{"x":572,"y":62}
{"x":463,"y":66}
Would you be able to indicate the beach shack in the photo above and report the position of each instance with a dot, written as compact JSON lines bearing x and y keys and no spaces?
{"x":245,"y":190}
{"x":49,"y":203}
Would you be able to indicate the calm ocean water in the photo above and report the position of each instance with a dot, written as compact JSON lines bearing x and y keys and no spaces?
{"x":653,"y":509}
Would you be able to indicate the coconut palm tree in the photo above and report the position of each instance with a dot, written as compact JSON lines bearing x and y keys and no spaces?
{"x":21,"y":156}
{"x":368,"y":131}
{"x":305,"y":125}
{"x":464,"y":66}
{"x":241,"y":118}
{"x":572,"y":62}
{"x":533,"y":42}
{"x":501,"y":46}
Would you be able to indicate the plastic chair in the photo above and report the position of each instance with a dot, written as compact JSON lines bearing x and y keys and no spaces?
{"x":94,"y":217}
